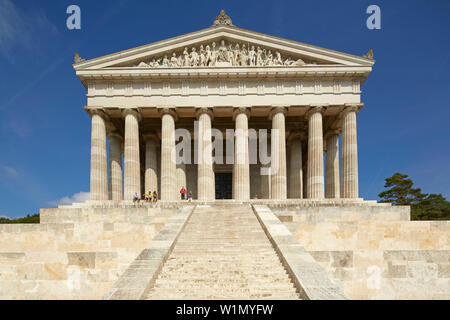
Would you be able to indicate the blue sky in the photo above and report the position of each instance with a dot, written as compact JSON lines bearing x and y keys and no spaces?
{"x":45,"y":133}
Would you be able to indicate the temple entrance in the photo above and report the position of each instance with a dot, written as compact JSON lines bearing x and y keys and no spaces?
{"x":224,"y":182}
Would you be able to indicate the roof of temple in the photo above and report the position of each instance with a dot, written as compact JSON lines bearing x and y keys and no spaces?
{"x":224,"y":45}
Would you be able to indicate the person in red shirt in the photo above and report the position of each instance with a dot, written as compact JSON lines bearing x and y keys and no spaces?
{"x":183,"y":193}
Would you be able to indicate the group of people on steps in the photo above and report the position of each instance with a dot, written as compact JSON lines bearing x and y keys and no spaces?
{"x":153,"y":197}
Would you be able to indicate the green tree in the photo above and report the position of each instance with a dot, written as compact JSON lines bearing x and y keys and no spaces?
{"x":401,"y":192}
{"x":35,"y":218}
{"x":423,"y":206}
{"x":433,"y":207}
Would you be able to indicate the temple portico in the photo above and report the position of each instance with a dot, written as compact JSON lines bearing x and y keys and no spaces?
{"x":168,"y":109}
{"x":298,"y":137}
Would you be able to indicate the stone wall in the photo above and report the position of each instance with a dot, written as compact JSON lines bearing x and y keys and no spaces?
{"x":75,"y":253}
{"x":375,"y":251}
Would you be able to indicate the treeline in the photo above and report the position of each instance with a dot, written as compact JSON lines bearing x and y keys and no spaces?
{"x":424,"y":206}
{"x":28,"y":219}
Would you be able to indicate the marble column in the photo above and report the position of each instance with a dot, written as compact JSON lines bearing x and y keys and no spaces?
{"x":349,"y":156}
{"x":168,"y":159}
{"x":205,"y":178}
{"x":241,"y":167}
{"x":115,"y":166}
{"x":151,"y":162}
{"x":265,"y":176}
{"x":99,"y":164}
{"x":332,"y":165}
{"x":315,"y":187}
{"x":132,"y":167}
{"x":296,"y":168}
{"x":278,"y":153}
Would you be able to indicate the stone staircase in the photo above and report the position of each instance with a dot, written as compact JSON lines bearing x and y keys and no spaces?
{"x":223,"y":253}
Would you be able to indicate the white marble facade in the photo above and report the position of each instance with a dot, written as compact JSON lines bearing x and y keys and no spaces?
{"x":220,"y":78}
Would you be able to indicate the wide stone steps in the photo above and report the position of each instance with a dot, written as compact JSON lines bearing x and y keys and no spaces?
{"x":223,"y":253}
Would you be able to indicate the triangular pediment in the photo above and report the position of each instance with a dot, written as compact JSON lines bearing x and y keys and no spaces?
{"x":223,"y":46}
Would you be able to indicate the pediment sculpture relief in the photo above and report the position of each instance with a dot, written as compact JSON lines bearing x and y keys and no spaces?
{"x":222,"y":55}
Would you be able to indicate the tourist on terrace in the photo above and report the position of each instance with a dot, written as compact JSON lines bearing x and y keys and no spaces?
{"x":155,"y":196}
{"x":189,"y":196}
{"x":183,"y":193}
{"x":136,"y":197}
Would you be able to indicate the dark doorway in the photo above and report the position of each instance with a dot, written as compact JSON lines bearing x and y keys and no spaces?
{"x":224,"y":183}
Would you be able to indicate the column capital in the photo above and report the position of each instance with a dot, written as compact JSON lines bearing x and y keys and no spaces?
{"x":150,"y":136}
{"x":168,"y":110}
{"x":241,"y":109}
{"x":114,"y":134}
{"x":201,"y":110}
{"x":314,"y":109}
{"x":278,"y":109}
{"x":296,"y":135}
{"x":133,"y":111}
{"x":352,"y":107}
{"x":332,"y":132}
{"x":100,"y":111}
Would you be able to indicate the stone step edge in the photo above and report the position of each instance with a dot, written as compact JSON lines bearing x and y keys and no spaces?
{"x":308,"y":276}
{"x":141,"y":274}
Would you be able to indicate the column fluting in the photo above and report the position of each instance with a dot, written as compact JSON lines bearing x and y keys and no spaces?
{"x":332,"y":165}
{"x":265,"y":175}
{"x":241,"y":177}
{"x":349,"y":154}
{"x":132,"y":168}
{"x":205,"y":178}
{"x":115,"y":166}
{"x":151,"y":162}
{"x":168,"y":158}
{"x":278,"y":154}
{"x":315,"y":184}
{"x":296,"y":168}
{"x":99,"y":164}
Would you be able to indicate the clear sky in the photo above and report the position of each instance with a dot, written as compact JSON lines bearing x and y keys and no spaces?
{"x":45,"y":133}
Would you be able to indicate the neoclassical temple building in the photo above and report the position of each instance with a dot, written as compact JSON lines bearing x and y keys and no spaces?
{"x":229,"y":114}
{"x":224,"y":77}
